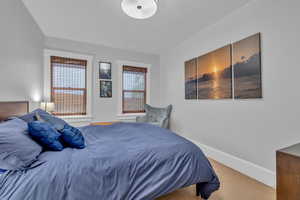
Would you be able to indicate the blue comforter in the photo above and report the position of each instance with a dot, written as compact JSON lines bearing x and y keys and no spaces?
{"x":125,"y":161}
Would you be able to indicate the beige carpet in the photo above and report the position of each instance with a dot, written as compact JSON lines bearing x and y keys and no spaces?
{"x":234,"y":186}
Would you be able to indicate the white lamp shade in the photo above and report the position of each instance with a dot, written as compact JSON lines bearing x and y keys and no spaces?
{"x":48,"y":106}
{"x":139,"y":9}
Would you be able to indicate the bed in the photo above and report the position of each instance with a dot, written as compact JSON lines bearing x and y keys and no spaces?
{"x":123,"y":161}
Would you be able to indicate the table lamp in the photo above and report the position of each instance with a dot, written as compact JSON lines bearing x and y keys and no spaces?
{"x":48,"y":106}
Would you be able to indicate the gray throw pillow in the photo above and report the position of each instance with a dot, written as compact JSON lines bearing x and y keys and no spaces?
{"x":17,"y":149}
{"x":30,"y":117}
{"x":44,"y":116}
{"x":56,"y":122}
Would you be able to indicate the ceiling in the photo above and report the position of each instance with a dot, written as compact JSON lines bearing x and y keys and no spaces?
{"x":103,"y":22}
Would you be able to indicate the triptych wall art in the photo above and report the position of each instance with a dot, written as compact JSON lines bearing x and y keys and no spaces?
{"x":233,"y":71}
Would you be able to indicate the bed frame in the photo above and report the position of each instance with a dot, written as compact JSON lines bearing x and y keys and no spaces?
{"x":13,"y":109}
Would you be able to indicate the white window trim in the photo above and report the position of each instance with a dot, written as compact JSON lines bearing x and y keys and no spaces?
{"x":120,"y":64}
{"x":47,"y":80}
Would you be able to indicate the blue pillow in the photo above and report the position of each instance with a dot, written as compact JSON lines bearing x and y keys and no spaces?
{"x":46,"y":135}
{"x":2,"y":171}
{"x":72,"y":137}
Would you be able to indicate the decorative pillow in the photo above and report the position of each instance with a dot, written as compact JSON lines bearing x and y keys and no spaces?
{"x":45,"y":134}
{"x":17,"y":149}
{"x":44,"y":116}
{"x":72,"y":137}
{"x":56,"y":122}
{"x":30,"y":117}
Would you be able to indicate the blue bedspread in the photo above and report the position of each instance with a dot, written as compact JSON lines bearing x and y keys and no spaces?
{"x":124,"y":161}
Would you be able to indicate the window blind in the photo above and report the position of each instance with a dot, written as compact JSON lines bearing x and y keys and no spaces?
{"x":134,"y":89}
{"x":68,"y":85}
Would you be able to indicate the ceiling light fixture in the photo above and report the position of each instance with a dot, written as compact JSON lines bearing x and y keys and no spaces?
{"x":140,"y":9}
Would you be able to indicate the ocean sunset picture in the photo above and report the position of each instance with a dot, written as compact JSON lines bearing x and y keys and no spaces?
{"x":209,"y":76}
{"x":191,"y":79}
{"x":246,"y":56}
{"x":215,"y":75}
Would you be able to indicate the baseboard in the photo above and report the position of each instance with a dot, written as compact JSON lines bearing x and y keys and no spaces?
{"x":252,"y":170}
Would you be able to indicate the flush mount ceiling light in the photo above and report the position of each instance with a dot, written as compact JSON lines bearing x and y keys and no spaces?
{"x":140,"y":9}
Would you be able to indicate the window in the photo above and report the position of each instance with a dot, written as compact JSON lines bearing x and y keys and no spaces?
{"x":69,"y":85}
{"x":134,"y":89}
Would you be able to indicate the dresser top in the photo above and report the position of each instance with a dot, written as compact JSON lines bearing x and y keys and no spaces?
{"x":292,"y":150}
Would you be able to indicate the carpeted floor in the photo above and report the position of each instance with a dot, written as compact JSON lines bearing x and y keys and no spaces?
{"x":234,"y":186}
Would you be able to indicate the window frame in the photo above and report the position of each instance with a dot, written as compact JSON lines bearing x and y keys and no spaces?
{"x":143,"y":70}
{"x":89,"y":81}
{"x":69,"y":89}
{"x":120,"y":63}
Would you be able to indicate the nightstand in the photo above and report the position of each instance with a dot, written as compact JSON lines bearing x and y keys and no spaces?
{"x":288,"y":173}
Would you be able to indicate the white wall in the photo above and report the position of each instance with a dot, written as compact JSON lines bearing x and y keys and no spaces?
{"x":106,"y":109}
{"x":248,"y":129}
{"x":21,"y":53}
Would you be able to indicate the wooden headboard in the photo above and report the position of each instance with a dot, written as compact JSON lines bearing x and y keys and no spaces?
{"x":13,"y":108}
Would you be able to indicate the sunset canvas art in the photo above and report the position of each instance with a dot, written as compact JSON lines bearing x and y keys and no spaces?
{"x":231,"y":71}
{"x":247,"y":68}
{"x":191,"y":79}
{"x":209,"y":76}
{"x":214,"y":75}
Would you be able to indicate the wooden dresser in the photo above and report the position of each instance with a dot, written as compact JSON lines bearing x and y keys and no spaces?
{"x":288,"y":173}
